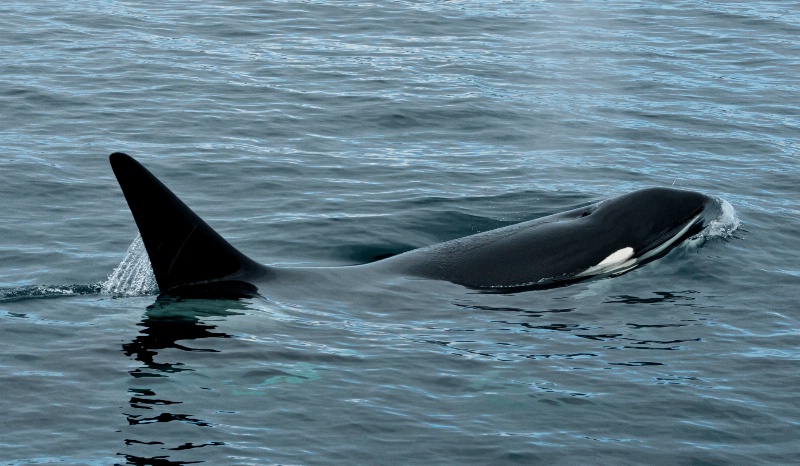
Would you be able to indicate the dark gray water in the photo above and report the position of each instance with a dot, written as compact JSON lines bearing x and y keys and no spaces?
{"x":331,"y":133}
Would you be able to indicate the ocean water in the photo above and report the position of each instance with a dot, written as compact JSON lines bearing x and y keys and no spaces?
{"x":335,"y":132}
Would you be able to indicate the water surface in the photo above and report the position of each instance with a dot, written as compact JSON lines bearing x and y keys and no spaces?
{"x":331,"y":133}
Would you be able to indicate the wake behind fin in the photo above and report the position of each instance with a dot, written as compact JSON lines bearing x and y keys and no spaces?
{"x":183,"y":249}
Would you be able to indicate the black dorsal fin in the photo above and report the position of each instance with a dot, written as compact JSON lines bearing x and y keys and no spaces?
{"x":183,"y":249}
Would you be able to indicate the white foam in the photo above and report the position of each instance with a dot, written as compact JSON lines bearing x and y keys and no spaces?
{"x":725,"y":224}
{"x":721,"y":227}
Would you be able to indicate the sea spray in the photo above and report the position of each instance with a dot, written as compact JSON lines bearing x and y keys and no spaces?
{"x":726,"y":223}
{"x":134,"y":275}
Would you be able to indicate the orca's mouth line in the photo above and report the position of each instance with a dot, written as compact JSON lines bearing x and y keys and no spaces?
{"x":679,"y":237}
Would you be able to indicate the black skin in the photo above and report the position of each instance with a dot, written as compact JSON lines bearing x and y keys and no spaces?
{"x":190,"y":259}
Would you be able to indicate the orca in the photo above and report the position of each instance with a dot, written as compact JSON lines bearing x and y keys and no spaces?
{"x":604,"y":239}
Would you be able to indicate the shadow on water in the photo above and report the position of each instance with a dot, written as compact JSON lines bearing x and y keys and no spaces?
{"x":170,"y":320}
{"x":596,"y":328}
{"x":166,"y":322}
{"x":661,"y":297}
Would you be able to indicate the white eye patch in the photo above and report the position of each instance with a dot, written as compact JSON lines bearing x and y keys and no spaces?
{"x":617,"y":261}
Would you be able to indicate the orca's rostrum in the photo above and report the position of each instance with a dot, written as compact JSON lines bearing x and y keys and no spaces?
{"x":607,"y":238}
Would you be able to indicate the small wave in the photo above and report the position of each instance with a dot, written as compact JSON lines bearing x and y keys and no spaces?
{"x":134,"y":275}
{"x":724,"y":225}
{"x":721,"y":227}
{"x":20,"y":293}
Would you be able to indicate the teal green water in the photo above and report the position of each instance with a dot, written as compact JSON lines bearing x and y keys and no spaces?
{"x":330,"y":133}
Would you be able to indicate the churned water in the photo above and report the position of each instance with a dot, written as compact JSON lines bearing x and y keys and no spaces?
{"x":336,"y":132}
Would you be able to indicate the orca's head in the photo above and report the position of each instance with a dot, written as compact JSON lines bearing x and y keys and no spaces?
{"x":649,"y":222}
